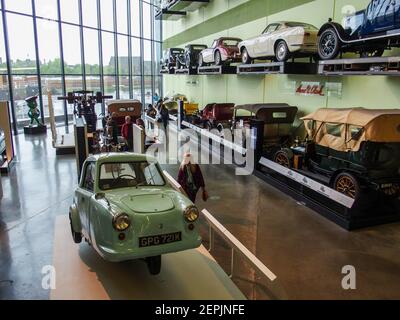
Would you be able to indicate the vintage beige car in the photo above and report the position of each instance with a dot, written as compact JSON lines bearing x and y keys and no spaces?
{"x":281,"y":41}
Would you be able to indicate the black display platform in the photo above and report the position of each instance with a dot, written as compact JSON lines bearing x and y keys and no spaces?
{"x":387,"y":66}
{"x":35,"y":130}
{"x":277,"y":68}
{"x":376,"y":212}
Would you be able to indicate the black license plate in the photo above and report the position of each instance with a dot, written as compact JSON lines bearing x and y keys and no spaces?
{"x":160,"y":239}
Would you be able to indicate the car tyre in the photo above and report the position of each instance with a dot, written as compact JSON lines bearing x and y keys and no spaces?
{"x":217,"y":58}
{"x":328,"y":44}
{"x":154,"y":265}
{"x":282,"y":51}
{"x":201,"y":61}
{"x":246,"y":57}
{"x":188,"y":62}
{"x":282,"y":158}
{"x":76,"y":236}
{"x":347,"y":184}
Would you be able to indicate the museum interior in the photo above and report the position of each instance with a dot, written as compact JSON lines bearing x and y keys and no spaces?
{"x":199,"y":150}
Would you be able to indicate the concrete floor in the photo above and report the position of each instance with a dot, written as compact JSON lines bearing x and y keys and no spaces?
{"x":303,"y":249}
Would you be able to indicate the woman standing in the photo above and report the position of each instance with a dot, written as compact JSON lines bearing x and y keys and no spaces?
{"x":191,"y":178}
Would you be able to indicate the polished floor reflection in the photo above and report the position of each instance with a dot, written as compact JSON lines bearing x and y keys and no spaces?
{"x":303,"y":249}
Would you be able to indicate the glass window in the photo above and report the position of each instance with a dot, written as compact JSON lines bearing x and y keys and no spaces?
{"x":73,"y":83}
{"x":135,"y":18}
{"x":355,"y":132}
{"x":89,"y":13}
{"x":23,"y":6}
{"x":129,"y":174}
{"x":123,"y":62}
{"x":109,"y":86}
{"x":136,"y":66}
{"x":147,"y":57}
{"x":122,"y":16}
{"x":108,"y":53}
{"x":69,"y":11}
{"x":4,"y":88}
{"x":49,"y":49}
{"x":158,"y":86}
{"x":46,"y":9}
{"x":157,"y":30}
{"x":334,"y":129}
{"x":107,"y":15}
{"x":23,"y":86}
{"x":72,"y":49}
{"x":93,"y":84}
{"x":91,"y":41}
{"x":157,"y":57}
{"x":124,"y":87}
{"x":88,"y":183}
{"x":146,"y":21}
{"x":148,"y":90}
{"x":22,"y":44}
{"x":52,"y":89}
{"x":137,"y":88}
{"x":3,"y":60}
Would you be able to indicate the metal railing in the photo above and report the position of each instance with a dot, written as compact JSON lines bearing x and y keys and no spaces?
{"x":236,"y":246}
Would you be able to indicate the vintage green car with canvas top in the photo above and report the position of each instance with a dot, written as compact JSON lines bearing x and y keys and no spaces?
{"x":125,"y":208}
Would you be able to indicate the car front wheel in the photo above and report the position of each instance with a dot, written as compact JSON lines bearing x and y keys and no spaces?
{"x":201,"y":62}
{"x":217,"y":58}
{"x":76,"y":236}
{"x":282,"y":159}
{"x":154,"y":265}
{"x":282,"y":51}
{"x":245,"y":57}
{"x":328,"y":44}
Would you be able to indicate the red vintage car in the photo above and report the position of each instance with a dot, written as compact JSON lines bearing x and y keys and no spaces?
{"x":217,"y":115}
{"x":223,"y":51}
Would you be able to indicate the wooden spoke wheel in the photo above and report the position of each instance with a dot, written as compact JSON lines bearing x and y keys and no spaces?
{"x":282,"y":158}
{"x":345,"y":183}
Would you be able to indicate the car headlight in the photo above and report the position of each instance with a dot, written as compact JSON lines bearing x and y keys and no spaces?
{"x":121,"y":222}
{"x":191,"y":214}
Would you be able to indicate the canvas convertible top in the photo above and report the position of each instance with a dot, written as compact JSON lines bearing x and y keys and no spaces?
{"x":346,"y":129}
{"x":271,"y":112}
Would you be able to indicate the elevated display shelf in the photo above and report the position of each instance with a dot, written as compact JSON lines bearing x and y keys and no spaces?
{"x":166,"y":14}
{"x":216,"y":70}
{"x":167,"y":71}
{"x":277,"y":68}
{"x":187,"y":5}
{"x":190,"y":71}
{"x":362,"y":66}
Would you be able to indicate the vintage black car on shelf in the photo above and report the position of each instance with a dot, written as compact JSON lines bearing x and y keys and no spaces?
{"x":168,"y":60}
{"x":278,"y":121}
{"x":189,"y":58}
{"x":356,"y":149}
{"x":369,"y":32}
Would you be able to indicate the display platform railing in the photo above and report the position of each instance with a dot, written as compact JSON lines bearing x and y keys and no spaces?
{"x":236,"y":247}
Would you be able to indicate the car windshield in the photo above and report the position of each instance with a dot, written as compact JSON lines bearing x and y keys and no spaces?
{"x":300,"y":24}
{"x":230,"y":43}
{"x":129,"y":174}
